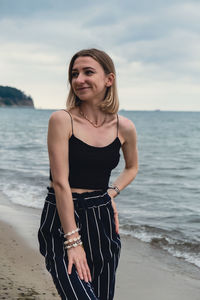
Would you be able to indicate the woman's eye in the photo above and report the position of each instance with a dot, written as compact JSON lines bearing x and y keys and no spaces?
{"x":75,"y":74}
{"x":89,"y":72}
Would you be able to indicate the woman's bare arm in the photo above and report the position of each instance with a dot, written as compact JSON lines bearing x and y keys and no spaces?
{"x":130,"y":152}
{"x":58,"y":136}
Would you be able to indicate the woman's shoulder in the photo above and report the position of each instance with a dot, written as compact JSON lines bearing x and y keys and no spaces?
{"x":126,"y":126}
{"x":60,"y":118}
{"x":60,"y":115}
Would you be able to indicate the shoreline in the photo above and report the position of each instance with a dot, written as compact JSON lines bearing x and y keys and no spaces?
{"x":22,"y":271}
{"x":144,"y":271}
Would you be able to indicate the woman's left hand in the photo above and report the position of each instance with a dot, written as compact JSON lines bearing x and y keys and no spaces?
{"x":116,"y":218}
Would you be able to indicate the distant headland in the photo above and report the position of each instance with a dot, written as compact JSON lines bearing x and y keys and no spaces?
{"x":10,"y":96}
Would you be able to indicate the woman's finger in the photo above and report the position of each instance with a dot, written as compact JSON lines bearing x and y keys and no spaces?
{"x":88,"y":271}
{"x":70,"y":264}
{"x":84,"y":272}
{"x":79,"y":269}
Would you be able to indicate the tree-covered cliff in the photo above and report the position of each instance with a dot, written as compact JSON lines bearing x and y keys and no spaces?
{"x":10,"y":96}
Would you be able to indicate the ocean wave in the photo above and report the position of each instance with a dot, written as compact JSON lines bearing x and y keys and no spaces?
{"x":31,"y":195}
{"x":172,"y":241}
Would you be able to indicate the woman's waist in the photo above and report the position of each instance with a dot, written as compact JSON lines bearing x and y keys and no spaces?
{"x":78,"y":190}
{"x":82,"y":200}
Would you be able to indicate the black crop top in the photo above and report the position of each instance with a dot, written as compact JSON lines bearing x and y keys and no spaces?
{"x":89,"y":166}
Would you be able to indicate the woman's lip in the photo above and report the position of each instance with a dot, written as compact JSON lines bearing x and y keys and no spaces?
{"x":83,"y":88}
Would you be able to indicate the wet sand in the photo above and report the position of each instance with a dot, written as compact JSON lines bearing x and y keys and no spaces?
{"x":144,"y":272}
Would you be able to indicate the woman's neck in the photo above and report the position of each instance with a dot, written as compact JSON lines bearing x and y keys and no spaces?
{"x":92,"y":112}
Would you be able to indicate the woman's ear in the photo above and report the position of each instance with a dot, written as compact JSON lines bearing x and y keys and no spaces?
{"x":110,"y":79}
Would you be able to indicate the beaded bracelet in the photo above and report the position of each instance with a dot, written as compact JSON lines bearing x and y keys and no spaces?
{"x":69,"y":245}
{"x":74,"y":245}
{"x":70,"y":233}
{"x":72,"y":240}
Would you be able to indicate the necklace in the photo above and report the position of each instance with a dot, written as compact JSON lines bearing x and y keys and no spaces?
{"x":91,"y":122}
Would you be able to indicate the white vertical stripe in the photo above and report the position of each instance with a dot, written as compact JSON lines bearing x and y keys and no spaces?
{"x":88,"y":233}
{"x":99,"y":249}
{"x":119,"y":249}
{"x":92,"y":271}
{"x":99,"y":239}
{"x":101,"y":271}
{"x":99,"y":212}
{"x":54,"y":255}
{"x":98,"y":286}
{"x":114,"y":262}
{"x":111,"y":235}
{"x":90,"y":287}
{"x":53,"y":219}
{"x":76,"y":214}
{"x":108,"y":281}
{"x":42,"y":227}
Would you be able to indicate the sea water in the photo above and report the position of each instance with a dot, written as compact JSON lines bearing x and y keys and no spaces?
{"x":161,"y":206}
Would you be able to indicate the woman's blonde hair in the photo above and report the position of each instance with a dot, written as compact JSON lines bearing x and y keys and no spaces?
{"x":110,"y":104}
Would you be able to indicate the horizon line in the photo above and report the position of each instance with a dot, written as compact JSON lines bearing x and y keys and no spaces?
{"x":122,"y":109}
{"x":139,"y":110}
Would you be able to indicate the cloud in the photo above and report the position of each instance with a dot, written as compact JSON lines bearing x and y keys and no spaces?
{"x":155,"y":46}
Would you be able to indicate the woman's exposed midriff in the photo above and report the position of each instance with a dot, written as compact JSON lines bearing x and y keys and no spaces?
{"x":76,"y":190}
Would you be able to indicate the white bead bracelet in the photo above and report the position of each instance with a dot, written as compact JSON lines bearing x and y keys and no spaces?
{"x":74,"y":245}
{"x":70,"y":233}
{"x":72,"y":240}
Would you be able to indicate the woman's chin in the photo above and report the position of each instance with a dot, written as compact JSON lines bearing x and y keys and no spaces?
{"x":85,"y":97}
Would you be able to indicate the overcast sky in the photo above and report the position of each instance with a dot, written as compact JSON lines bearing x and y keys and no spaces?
{"x":155,"y":46}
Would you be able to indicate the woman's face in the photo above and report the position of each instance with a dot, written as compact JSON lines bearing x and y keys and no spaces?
{"x":89,"y":81}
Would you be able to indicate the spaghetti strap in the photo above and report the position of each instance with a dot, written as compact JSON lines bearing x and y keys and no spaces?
{"x":117,"y":124}
{"x":71,"y":119}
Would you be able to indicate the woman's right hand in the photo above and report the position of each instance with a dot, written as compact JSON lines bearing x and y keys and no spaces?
{"x":77,"y":257}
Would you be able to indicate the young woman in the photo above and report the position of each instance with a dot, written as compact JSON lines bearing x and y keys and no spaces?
{"x":79,"y":230}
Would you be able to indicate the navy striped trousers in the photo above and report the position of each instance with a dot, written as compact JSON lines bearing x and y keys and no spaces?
{"x":94,"y":216}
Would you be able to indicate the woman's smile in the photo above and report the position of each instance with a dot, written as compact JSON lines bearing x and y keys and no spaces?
{"x":88,"y":79}
{"x":82,"y":88}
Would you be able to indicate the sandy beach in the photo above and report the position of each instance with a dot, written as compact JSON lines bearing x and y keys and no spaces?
{"x":144,"y":272}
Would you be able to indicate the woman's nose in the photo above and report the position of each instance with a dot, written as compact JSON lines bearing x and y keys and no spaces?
{"x":80,"y":78}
